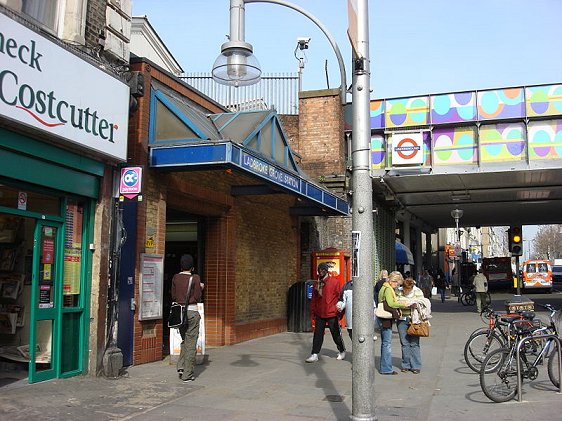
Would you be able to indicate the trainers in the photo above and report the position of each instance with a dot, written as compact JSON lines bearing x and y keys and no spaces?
{"x":341,"y":356}
{"x":187,"y":379}
{"x":312,"y":359}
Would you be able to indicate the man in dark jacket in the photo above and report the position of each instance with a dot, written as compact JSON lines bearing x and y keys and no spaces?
{"x":325,"y":296}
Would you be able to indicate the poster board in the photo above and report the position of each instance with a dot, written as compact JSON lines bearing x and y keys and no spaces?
{"x":150,"y":287}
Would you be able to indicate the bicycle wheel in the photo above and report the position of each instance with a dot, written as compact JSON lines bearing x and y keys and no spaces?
{"x":479,"y":345}
{"x":463,"y":298}
{"x":488,"y":299}
{"x":553,"y":365}
{"x":498,"y":375}
{"x":471,"y":299}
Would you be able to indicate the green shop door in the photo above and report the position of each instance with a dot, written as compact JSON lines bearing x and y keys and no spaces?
{"x":46,"y":302}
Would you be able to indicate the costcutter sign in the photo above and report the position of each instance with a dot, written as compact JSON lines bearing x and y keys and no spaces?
{"x":47,"y":87}
{"x":407,"y":148}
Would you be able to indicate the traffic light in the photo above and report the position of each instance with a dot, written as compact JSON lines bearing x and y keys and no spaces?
{"x":515,"y":234}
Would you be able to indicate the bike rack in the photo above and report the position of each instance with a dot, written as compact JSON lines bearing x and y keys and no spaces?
{"x":519,"y":379}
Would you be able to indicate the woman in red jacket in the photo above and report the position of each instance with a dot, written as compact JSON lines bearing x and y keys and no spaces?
{"x":325,"y":296}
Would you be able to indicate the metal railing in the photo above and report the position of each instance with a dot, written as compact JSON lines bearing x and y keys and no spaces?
{"x":556,"y":340}
{"x":277,"y":91}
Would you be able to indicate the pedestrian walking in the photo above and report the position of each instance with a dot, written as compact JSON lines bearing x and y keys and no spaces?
{"x":426,"y":283}
{"x":441,"y":284}
{"x":187,"y":290}
{"x":481,"y":288}
{"x":325,"y":296}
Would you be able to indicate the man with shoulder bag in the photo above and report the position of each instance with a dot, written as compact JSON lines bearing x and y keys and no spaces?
{"x":187,"y":290}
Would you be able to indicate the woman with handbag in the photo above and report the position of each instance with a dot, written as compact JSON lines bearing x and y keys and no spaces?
{"x":187,"y":289}
{"x":411,"y":354}
{"x":387,"y":296}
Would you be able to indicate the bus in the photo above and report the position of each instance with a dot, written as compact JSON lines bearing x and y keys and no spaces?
{"x":498,"y":272}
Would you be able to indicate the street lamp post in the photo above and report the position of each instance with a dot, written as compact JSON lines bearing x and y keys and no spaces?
{"x":236,"y":66}
{"x":457,"y":215}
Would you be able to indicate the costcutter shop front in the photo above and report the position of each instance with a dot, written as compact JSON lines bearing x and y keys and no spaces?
{"x":63,"y":127}
{"x":226,"y":188}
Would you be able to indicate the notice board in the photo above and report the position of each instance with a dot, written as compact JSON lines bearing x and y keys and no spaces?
{"x":150,"y":288}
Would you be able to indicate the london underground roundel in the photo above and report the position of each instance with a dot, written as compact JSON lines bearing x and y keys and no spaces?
{"x":407,"y":148}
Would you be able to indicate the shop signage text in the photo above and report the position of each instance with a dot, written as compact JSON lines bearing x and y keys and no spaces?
{"x":262,"y":168}
{"x":47,"y":87}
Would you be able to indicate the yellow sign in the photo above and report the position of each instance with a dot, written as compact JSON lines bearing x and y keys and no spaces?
{"x":149,"y":243}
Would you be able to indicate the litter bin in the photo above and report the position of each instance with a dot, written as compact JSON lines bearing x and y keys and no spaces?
{"x":519,"y":303}
{"x":298,"y":307}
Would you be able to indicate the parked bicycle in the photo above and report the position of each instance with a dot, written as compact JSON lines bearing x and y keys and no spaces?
{"x":468,"y":297}
{"x":496,"y":335}
{"x":498,"y":373}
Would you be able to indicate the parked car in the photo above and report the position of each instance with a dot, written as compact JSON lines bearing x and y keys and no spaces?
{"x":556,"y":272}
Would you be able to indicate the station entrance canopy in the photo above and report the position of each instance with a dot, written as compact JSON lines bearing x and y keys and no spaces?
{"x":495,"y":153}
{"x":183,"y":138}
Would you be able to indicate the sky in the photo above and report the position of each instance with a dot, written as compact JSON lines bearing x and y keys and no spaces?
{"x":416,"y":47}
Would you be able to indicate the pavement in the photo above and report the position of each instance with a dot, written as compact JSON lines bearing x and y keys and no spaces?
{"x":267,"y":379}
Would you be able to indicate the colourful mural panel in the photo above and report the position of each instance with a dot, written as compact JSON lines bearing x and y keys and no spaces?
{"x":453,"y":108}
{"x":502,"y":142}
{"x":378,"y":152}
{"x":405,"y":112}
{"x":544,"y":100}
{"x":454,"y":146}
{"x":545,"y":139}
{"x":501,"y":103}
{"x":376,"y":112}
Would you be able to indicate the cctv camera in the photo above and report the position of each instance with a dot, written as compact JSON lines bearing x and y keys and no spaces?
{"x":303,"y":42}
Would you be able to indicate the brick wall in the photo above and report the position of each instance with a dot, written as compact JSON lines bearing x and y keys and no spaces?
{"x":321,"y":133}
{"x":322,"y":149}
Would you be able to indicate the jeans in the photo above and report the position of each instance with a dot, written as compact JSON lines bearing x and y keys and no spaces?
{"x":442,"y":292}
{"x":189,"y":333}
{"x":411,"y":354}
{"x":386,"y":350}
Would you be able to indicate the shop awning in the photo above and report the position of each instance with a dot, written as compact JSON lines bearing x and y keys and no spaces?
{"x":403,"y":254}
{"x":274,"y":179}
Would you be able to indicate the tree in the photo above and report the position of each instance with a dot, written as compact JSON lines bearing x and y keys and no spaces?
{"x":547,"y":244}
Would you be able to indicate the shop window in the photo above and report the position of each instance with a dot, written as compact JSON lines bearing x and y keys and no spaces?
{"x":27,"y":200}
{"x":72,"y":281}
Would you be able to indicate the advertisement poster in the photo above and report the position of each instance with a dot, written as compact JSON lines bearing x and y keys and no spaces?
{"x":47,"y":251}
{"x":45,"y":296}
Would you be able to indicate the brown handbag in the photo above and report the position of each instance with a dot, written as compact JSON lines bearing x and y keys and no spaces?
{"x":418,"y":329}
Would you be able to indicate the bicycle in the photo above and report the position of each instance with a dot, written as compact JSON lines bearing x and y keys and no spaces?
{"x":468,"y":297}
{"x":498,"y":373}
{"x":497,"y":335}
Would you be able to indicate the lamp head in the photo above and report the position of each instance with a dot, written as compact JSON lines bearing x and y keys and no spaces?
{"x":457,"y":213}
{"x":236,"y":65}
